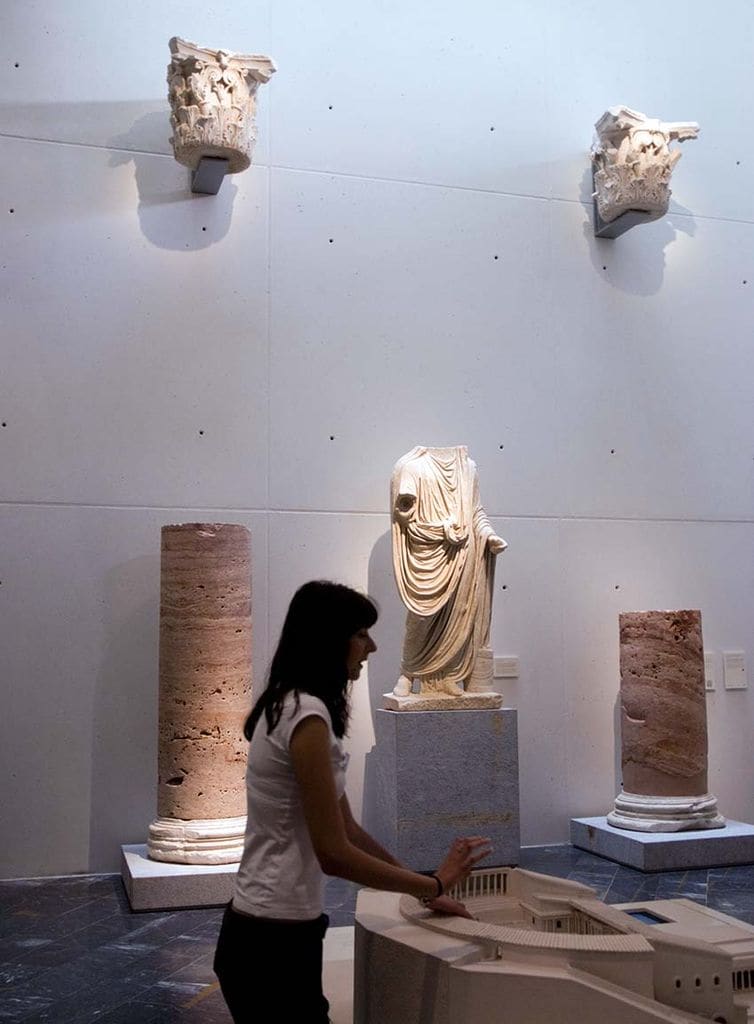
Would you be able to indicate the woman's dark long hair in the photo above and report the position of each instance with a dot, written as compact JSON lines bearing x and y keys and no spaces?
{"x":311,"y":655}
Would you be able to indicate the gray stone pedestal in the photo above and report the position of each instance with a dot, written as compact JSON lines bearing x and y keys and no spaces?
{"x":437,"y":775}
{"x":666,"y":851}
{"x":157,"y":885}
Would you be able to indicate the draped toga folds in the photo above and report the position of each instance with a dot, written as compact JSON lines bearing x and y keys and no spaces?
{"x":442,"y":564}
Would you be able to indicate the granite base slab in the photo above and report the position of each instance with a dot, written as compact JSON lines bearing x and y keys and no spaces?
{"x":156,"y":885}
{"x":666,"y":851}
{"x":436,"y":775}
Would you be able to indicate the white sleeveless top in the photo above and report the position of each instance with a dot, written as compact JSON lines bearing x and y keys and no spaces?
{"x":279,"y":875}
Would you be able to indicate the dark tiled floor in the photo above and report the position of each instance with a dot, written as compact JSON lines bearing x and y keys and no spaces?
{"x":72,"y":952}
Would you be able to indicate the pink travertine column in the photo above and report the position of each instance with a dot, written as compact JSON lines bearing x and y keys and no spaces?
{"x":663,"y":703}
{"x":205,"y":686}
{"x":663,"y":724}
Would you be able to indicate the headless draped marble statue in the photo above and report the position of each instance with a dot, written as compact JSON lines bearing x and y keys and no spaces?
{"x":444,"y":551}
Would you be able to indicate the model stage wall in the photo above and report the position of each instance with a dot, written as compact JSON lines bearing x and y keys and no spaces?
{"x":410,"y":258}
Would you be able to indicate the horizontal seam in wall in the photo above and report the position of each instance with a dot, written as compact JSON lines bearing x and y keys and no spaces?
{"x":561,"y":517}
{"x":362,"y":177}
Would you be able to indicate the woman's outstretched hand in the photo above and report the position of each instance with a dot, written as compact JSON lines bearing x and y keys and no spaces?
{"x":447,"y":905}
{"x":463,"y":855}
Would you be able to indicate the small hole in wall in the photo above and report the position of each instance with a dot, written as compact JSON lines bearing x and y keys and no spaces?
{"x":738,"y":163}
{"x":332,"y":437}
{"x":16,"y":65}
{"x":617,"y":586}
{"x":330,"y":107}
{"x":11,"y":210}
{"x":501,"y":446}
{"x":604,"y":268}
{"x":331,"y":240}
{"x":201,"y":433}
{"x":745,"y":282}
{"x":204,"y":229}
{"x":492,"y":127}
{"x":504,"y":586}
{"x":496,"y":257}
{"x":612,"y":451}
{"x":4,"y":423}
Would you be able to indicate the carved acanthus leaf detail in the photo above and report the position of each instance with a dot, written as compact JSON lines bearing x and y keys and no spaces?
{"x":212,"y":97}
{"x":633,"y":162}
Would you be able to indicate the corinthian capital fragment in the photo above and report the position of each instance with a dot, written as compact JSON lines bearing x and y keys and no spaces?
{"x":633,"y":162}
{"x":213,"y":96}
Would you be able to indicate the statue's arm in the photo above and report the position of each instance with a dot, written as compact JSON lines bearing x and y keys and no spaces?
{"x":404,"y":509}
{"x":483,"y":528}
{"x":405,"y":490}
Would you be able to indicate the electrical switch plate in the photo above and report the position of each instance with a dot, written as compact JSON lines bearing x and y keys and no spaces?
{"x":709,"y":670}
{"x":505,"y":668}
{"x":734,"y":670}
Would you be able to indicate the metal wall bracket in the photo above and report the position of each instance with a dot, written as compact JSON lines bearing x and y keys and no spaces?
{"x":622,"y":224}
{"x":208,"y":176}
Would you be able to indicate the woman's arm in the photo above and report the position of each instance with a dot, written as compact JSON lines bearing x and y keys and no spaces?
{"x":361,"y":838}
{"x":336,"y":852}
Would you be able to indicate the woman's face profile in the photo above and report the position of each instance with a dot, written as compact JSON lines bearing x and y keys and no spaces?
{"x":360,"y":646}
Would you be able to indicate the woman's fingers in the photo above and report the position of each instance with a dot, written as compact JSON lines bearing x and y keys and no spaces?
{"x":473,"y":848}
{"x":465,"y":852}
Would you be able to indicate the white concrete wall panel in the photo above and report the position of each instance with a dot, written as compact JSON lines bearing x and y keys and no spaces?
{"x":527,"y":623}
{"x":83,"y":73}
{"x":406,"y":329}
{"x":674,"y":60}
{"x":79,"y":606}
{"x":503,"y":97}
{"x":615,"y":566}
{"x":355,"y":550}
{"x":416,"y":92}
{"x":654,"y":387}
{"x":135,"y":329}
{"x":165,"y":354}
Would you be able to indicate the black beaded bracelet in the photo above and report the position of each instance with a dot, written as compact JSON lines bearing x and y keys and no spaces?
{"x":425,"y":900}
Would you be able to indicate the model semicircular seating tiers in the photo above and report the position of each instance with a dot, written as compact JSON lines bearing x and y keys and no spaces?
{"x":548,"y":949}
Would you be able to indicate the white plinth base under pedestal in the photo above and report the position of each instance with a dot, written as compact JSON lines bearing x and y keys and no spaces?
{"x":640,"y":813}
{"x":200,"y":841}
{"x":666,"y":851}
{"x":155,"y":885}
{"x":468,"y":701}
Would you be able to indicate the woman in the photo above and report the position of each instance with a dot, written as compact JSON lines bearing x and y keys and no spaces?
{"x":300,"y":826}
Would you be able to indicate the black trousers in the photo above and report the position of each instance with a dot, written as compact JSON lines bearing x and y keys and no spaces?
{"x":271,"y":970}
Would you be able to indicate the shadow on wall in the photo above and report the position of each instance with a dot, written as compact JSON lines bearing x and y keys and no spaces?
{"x":634,"y":263}
{"x":124,"y":715}
{"x":617,"y":745}
{"x":384,"y":664}
{"x":164,"y":189}
{"x":171,"y":216}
